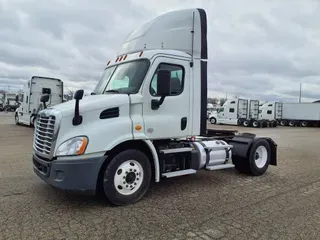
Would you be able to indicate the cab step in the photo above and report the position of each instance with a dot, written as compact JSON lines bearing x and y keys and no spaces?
{"x":179,"y":173}
{"x":219,"y":167}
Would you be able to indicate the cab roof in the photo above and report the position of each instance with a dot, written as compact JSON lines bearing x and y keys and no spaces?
{"x":181,"y":30}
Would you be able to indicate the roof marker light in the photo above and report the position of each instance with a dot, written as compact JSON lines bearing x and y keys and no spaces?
{"x":140,"y":54}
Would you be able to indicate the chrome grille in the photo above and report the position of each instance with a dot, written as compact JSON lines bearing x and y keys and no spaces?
{"x":44,"y":134}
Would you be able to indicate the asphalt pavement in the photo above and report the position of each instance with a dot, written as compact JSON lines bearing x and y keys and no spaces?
{"x":282,"y":204}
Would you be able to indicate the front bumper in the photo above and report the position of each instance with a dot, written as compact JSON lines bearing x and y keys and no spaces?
{"x":70,"y":174}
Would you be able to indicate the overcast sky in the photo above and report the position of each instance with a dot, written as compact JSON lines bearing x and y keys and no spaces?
{"x":257,"y":49}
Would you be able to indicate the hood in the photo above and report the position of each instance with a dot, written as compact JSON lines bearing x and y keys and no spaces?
{"x":91,"y":103}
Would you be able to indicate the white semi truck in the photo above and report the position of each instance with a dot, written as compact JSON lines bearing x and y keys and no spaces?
{"x":51,"y":88}
{"x":292,"y":114}
{"x":241,"y":112}
{"x":145,"y":121}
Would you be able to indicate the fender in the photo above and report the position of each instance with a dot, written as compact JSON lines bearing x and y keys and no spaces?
{"x":243,"y":143}
{"x":155,"y":159}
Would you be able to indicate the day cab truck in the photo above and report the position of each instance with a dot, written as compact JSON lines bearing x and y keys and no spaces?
{"x":37,"y":86}
{"x":145,"y":120}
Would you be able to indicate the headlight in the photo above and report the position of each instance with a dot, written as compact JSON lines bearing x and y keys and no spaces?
{"x":73,"y":146}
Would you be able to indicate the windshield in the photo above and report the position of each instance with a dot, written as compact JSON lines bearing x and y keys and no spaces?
{"x":124,"y":78}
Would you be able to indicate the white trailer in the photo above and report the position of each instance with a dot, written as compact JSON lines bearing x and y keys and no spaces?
{"x":36,"y":88}
{"x":241,"y":112}
{"x":300,"y":114}
{"x":145,"y":121}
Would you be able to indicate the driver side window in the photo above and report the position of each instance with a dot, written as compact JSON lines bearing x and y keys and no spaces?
{"x":177,"y":79}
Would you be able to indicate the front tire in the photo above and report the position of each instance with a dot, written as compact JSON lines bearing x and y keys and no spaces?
{"x":213,"y":120}
{"x":127,"y":177}
{"x":16,"y":118}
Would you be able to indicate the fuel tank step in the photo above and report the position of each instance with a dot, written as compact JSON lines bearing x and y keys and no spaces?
{"x":219,"y":167}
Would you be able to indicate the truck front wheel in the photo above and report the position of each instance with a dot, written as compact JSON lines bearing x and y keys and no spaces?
{"x":213,"y":120}
{"x":127,"y":177}
{"x":16,"y":118}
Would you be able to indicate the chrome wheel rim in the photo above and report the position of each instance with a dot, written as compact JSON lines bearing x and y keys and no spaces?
{"x":128,"y":177}
{"x":261,"y":156}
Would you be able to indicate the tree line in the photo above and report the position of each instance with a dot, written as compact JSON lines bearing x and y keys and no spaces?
{"x":220,"y":101}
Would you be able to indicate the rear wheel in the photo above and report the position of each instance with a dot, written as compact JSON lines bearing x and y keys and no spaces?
{"x":246,"y":123}
{"x":304,"y":124}
{"x":258,"y":159}
{"x":268,"y":124}
{"x":283,"y":123}
{"x":274,"y":123}
{"x":127,"y":177}
{"x":291,"y":123}
{"x":255,"y":123}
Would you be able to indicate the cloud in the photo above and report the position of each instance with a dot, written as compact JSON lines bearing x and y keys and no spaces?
{"x":257,"y":48}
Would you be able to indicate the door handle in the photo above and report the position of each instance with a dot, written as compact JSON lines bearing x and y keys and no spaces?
{"x":183,"y":123}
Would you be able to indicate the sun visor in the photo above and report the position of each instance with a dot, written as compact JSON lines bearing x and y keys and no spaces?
{"x":183,"y":30}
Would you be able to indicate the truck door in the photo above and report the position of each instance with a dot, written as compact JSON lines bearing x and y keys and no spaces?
{"x":172,"y":118}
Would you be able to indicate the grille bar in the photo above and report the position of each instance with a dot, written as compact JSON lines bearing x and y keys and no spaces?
{"x":44,"y":132}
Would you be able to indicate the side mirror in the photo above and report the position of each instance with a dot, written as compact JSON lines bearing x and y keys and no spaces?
{"x":164,"y":83}
{"x":44,"y":98}
{"x":163,"y":88}
{"x":77,"y":119}
{"x":78,"y":95}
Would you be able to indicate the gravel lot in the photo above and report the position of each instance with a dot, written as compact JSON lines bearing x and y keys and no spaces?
{"x":282,"y":204}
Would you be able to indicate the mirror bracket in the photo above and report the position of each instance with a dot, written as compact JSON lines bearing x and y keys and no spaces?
{"x":155,"y":103}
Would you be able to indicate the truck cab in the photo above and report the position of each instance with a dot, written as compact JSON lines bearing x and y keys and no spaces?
{"x":271,"y":111}
{"x":232,"y":112}
{"x":31,"y":103}
{"x":145,"y":120}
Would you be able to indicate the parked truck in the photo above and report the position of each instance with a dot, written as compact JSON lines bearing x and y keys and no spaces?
{"x":271,"y":111}
{"x":2,"y":97}
{"x":145,"y":121}
{"x":37,"y":86}
{"x":292,"y":114}
{"x":241,"y":112}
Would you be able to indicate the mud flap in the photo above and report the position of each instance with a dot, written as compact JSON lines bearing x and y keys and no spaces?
{"x":242,"y":144}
